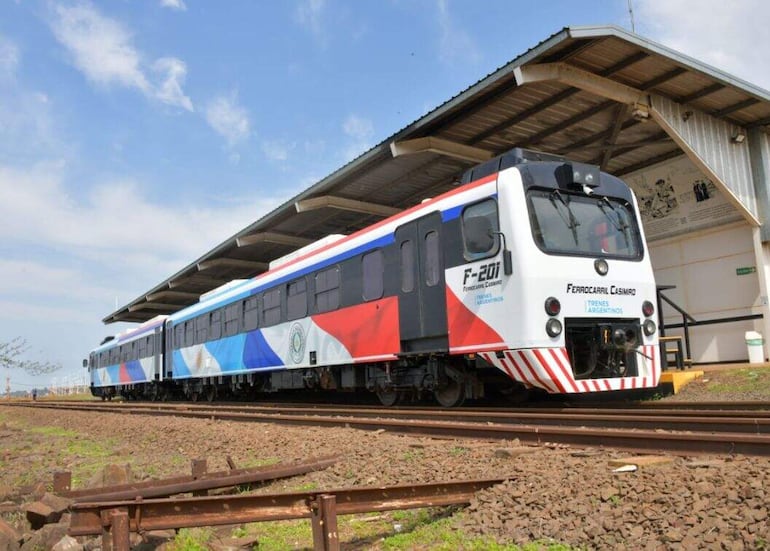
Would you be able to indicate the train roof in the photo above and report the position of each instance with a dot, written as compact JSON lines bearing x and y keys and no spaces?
{"x":329,"y":252}
{"x":133,"y":333}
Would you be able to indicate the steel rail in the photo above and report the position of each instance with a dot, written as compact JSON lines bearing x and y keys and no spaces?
{"x":631,"y":439}
{"x":749,"y":422}
{"x":88,"y":519}
{"x":207,"y":481}
{"x":746,"y":408}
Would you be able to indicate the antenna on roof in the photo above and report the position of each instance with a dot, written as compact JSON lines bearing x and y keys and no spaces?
{"x":631,"y":14}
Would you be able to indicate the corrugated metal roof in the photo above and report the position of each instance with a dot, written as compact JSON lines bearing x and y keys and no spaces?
{"x":496,"y":115}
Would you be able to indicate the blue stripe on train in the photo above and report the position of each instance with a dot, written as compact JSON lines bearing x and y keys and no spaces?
{"x":239,"y":353}
{"x":257,"y":353}
{"x":135,"y":372}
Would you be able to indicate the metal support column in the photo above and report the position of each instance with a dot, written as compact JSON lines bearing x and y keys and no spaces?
{"x":323,"y":513}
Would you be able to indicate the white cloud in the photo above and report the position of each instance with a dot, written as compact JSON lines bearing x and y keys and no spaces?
{"x":361,"y":130}
{"x":455,"y":44}
{"x":228,"y":118}
{"x":103,"y":50}
{"x":170,"y":90}
{"x":309,"y":14}
{"x":9,"y":58}
{"x":178,"y":5}
{"x":358,"y":127}
{"x":101,"y":47}
{"x":25,"y":277}
{"x":115,"y":221}
{"x":731,"y":36}
{"x":27,"y":125}
{"x":277,"y":150}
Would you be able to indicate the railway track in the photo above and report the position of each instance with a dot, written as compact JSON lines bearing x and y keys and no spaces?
{"x":677,"y":429}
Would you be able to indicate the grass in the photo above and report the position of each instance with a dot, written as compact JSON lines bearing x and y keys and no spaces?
{"x":413,"y":455}
{"x":53,"y":431}
{"x":742,"y":380}
{"x":191,"y":539}
{"x":429,"y":529}
{"x":259,"y":462}
{"x":46,"y":448}
{"x":84,"y":396}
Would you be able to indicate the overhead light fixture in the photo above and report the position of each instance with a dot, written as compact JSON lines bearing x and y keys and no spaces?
{"x":738,"y":137}
{"x":640,"y":113}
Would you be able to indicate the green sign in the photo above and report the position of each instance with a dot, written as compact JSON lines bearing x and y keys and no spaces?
{"x":745,"y":270}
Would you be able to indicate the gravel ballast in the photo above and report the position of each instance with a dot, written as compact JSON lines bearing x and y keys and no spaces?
{"x":553,"y":492}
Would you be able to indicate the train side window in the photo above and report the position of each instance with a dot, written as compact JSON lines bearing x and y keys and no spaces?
{"x":480,"y":230}
{"x":296,"y":299}
{"x":233,"y":318}
{"x":142,"y":352}
{"x":201,"y":329}
{"x":250,"y":314}
{"x":189,"y":333}
{"x":215,"y":325}
{"x":432,"y":264}
{"x":407,"y":266}
{"x":327,"y":289}
{"x":373,"y":275}
{"x":271,"y":307}
{"x":179,"y":336}
{"x":150,"y":346}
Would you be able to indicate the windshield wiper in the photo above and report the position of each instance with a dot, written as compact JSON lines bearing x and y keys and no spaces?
{"x":619,"y":224}
{"x":570,"y":221}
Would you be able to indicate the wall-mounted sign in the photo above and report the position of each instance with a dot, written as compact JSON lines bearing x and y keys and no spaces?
{"x":675,"y":197}
{"x":746,"y":270}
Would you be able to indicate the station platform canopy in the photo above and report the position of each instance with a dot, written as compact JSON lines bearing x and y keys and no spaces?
{"x":585,"y":93}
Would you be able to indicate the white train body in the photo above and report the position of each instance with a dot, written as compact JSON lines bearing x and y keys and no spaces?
{"x":535,"y":273}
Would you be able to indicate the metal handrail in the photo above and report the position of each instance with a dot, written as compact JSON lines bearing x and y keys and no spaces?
{"x":686,"y":319}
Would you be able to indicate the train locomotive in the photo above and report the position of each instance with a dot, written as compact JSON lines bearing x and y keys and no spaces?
{"x":532,"y":273}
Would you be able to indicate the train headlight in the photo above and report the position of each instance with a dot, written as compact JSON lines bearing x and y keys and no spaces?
{"x":647,"y":308}
{"x":552,"y":306}
{"x":649,"y":327}
{"x":601,"y":266}
{"x":553,"y":327}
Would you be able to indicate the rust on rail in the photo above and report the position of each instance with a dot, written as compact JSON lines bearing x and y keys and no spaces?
{"x":89,"y":519}
{"x":197,"y":483}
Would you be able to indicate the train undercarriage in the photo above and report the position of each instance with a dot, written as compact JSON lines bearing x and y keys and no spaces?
{"x":449,"y":381}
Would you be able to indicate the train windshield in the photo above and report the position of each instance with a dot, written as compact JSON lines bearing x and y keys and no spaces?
{"x":586,"y":225}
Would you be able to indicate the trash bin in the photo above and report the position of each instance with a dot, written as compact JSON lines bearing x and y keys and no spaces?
{"x":755,"y":342}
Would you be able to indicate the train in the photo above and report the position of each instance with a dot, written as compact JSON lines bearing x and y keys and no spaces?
{"x":531,"y":274}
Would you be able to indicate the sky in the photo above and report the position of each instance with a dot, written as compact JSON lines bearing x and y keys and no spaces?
{"x":135,"y":135}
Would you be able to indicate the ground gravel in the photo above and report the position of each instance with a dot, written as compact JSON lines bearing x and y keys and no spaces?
{"x":552,"y":492}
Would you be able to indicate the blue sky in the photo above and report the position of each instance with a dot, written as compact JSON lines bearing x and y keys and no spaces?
{"x":135,"y":135}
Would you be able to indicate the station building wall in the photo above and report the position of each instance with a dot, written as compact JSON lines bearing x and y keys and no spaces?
{"x":700,"y":244}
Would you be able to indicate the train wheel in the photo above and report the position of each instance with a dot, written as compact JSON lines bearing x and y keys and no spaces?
{"x":194,"y":396}
{"x":388,"y":398}
{"x":451,"y":395}
{"x":211,"y":393}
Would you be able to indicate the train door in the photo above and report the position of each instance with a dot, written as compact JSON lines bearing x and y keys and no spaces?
{"x":422,"y":293}
{"x":157,"y":354}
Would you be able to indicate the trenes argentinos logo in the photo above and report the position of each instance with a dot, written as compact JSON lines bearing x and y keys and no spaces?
{"x":297,"y":343}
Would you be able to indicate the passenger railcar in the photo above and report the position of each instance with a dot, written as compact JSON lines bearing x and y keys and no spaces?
{"x":533,"y":273}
